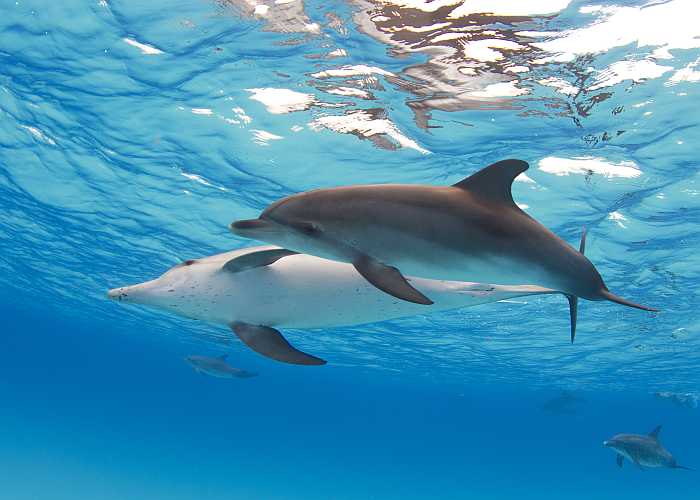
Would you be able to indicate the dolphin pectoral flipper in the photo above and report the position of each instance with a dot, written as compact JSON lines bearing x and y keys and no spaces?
{"x":256,"y":259}
{"x":619,"y":459}
{"x":269,"y":342}
{"x":388,"y":279}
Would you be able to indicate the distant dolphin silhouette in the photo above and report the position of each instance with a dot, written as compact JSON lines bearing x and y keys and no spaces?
{"x":254,"y":290}
{"x":217,"y":367}
{"x":566,"y":403}
{"x":644,"y":451}
{"x":684,"y":399}
{"x":471,"y":231}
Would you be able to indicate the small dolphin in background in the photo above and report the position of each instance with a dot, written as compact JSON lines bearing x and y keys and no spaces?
{"x":257,"y":290}
{"x":682,"y":399}
{"x":566,"y":403}
{"x":470,"y":231}
{"x":644,"y":451}
{"x":217,"y":367}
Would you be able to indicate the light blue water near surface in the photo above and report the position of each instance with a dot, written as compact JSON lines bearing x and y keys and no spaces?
{"x":119,"y":160}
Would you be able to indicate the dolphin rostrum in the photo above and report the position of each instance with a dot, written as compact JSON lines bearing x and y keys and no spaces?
{"x":644,"y":451}
{"x":471,"y":231}
{"x":256,"y":290}
{"x":216,"y":366}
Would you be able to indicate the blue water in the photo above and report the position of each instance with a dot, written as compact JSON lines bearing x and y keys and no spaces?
{"x":133,"y":133}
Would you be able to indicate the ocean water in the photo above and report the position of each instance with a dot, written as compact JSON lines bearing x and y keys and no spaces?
{"x":133,"y":133}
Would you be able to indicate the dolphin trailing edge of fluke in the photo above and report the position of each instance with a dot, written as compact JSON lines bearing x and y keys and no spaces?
{"x":573,"y":299}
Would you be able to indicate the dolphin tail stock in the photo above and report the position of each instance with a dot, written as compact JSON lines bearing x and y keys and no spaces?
{"x":608,"y":295}
{"x":573,"y":313}
{"x":573,"y":299}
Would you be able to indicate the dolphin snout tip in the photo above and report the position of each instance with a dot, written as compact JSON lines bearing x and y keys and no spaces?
{"x":245,"y":227}
{"x":606,"y":443}
{"x":116,"y":294}
{"x":242,"y":225}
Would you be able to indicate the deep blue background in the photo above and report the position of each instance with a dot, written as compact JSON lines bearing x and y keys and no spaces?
{"x":96,"y":411}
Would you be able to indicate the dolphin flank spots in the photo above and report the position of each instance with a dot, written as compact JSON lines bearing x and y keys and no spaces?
{"x":257,"y":290}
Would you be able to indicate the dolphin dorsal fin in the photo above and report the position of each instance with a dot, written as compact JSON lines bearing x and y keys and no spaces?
{"x":494,"y":181}
{"x":655,"y":433}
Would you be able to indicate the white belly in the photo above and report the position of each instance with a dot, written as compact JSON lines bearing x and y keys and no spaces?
{"x":302,"y":291}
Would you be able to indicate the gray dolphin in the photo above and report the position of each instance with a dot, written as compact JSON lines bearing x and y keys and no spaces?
{"x":566,"y":403}
{"x":644,"y":451}
{"x":470,"y":231}
{"x":217,"y":367}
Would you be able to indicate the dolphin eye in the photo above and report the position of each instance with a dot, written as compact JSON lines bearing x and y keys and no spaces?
{"x":188,"y":262}
{"x":308,"y":228}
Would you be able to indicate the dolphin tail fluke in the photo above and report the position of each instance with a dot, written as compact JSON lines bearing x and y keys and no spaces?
{"x":573,"y":299}
{"x":607,"y":295}
{"x":573,"y":311}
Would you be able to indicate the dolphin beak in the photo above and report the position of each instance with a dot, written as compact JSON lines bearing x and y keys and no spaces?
{"x":606,"y":443}
{"x":138,"y":294}
{"x":249,"y":228}
{"x":117,"y":293}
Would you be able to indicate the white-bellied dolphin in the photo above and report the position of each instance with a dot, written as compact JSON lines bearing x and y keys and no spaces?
{"x":256,"y":290}
{"x":471,"y":231}
{"x":644,"y":451}
{"x":216,"y":366}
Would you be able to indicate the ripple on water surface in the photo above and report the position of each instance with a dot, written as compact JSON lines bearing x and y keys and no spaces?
{"x":133,"y":134}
